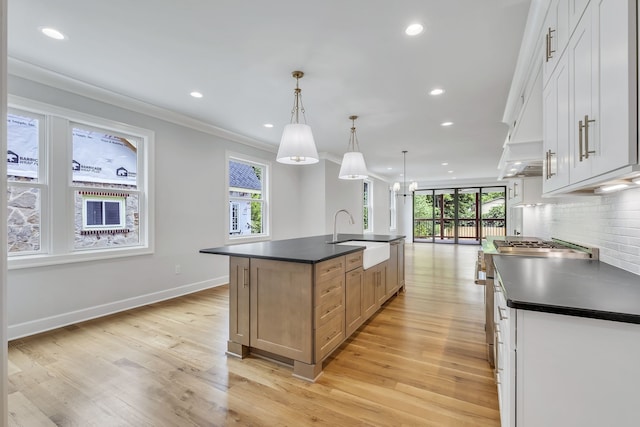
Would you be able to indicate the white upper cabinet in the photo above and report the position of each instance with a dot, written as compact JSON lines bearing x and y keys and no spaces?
{"x":589,"y":98}
{"x":555,"y":33}
{"x":555,"y":167}
{"x":576,"y":9}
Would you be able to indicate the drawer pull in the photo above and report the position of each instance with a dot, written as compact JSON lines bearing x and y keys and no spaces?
{"x":502,"y":310}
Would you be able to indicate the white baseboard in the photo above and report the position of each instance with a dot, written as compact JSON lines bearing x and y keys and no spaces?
{"x":33,"y":327}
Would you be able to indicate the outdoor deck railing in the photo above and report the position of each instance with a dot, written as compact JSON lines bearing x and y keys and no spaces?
{"x":425,"y":228}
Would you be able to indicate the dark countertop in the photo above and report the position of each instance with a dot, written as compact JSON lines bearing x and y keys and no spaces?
{"x":575,"y":287}
{"x":308,"y":250}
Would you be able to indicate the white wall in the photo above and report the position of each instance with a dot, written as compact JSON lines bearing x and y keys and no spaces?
{"x":342,"y":194}
{"x":189,"y":215}
{"x":610,"y":222}
{"x":4,"y":389}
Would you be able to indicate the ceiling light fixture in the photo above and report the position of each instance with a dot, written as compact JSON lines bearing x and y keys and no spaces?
{"x":396,"y":185}
{"x":437,"y":91}
{"x":297,"y":146}
{"x":446,"y":123}
{"x":353,"y":165}
{"x":52,"y":33}
{"x":268,"y":125}
{"x":414,"y":29}
{"x":196,"y":94}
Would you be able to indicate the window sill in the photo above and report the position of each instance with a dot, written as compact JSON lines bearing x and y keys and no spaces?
{"x":30,"y":261}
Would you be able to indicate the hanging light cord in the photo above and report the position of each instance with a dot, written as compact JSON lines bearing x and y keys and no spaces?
{"x":404,"y":175}
{"x":353,"y":138}
{"x":297,"y":100}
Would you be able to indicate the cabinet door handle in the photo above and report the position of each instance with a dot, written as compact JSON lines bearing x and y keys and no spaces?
{"x":245,"y":277}
{"x":550,"y":51}
{"x":502,"y":310}
{"x":586,"y":136}
{"x":546,"y":53}
{"x":515,"y":189}
{"x":549,"y":155}
{"x":583,"y":128}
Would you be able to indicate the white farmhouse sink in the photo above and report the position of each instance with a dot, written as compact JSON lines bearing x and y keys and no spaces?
{"x":375,"y":252}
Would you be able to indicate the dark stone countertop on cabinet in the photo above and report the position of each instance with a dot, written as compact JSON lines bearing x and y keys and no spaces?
{"x":308,"y":250}
{"x":575,"y":287}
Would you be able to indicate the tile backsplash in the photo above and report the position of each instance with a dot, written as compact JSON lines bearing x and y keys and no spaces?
{"x":610,"y":222}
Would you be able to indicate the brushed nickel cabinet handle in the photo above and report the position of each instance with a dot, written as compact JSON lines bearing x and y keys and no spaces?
{"x":245,"y":277}
{"x":551,"y":51}
{"x":586,"y":137}
{"x":502,"y":310}
{"x":547,"y":42}
{"x":580,"y":127}
{"x":550,"y":154}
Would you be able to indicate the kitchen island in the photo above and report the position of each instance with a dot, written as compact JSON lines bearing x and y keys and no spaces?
{"x":297,"y":300}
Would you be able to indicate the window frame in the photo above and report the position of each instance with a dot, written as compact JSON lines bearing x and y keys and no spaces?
{"x":393,"y":210}
{"x":41,"y":183}
{"x":367,"y":187}
{"x":265,"y":199}
{"x":58,"y":208}
{"x":120,"y":200}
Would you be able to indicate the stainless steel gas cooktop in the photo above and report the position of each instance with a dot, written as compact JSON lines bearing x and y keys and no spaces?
{"x":544,"y":248}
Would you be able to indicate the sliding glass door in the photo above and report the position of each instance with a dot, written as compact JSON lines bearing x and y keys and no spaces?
{"x":458,"y":215}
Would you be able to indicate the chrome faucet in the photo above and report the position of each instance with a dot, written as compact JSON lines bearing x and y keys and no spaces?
{"x":335,"y":220}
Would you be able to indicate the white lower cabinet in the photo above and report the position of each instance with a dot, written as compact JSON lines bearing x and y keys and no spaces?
{"x":559,"y":370}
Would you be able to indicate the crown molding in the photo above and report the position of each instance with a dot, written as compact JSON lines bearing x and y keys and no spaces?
{"x":26,"y":70}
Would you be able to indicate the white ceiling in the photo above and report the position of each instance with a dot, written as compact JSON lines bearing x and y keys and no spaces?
{"x":355,"y":55}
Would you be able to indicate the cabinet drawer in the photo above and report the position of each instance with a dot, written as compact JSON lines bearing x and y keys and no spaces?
{"x":325,"y":270}
{"x":354,"y":260}
{"x":332,"y":304}
{"x":329,"y":336}
{"x":327,"y":287}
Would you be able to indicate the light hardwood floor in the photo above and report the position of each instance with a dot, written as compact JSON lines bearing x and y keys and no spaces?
{"x":419,"y":362}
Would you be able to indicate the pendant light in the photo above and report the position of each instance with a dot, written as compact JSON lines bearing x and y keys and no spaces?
{"x":297,"y":146}
{"x":353,"y":166}
{"x":396,"y":185}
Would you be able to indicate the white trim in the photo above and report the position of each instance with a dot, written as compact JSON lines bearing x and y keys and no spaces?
{"x":266,"y":199}
{"x":57,"y":231}
{"x":38,"y":74}
{"x":4,"y":359}
{"x":370,"y":208}
{"x":53,"y":322}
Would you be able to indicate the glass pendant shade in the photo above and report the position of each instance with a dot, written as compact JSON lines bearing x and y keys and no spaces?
{"x":297,"y":146}
{"x":353,"y":166}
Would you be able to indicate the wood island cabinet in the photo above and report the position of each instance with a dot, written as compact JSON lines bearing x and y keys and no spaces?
{"x":299,"y":313}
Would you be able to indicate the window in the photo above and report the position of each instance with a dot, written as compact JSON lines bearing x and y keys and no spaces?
{"x":25,"y":188}
{"x":102,"y":166}
{"x":103,"y":213}
{"x":393,"y":216}
{"x":248,"y":202}
{"x":235,"y":216}
{"x":367,"y":206}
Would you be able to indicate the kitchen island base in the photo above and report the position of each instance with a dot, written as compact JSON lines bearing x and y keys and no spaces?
{"x":299,"y":313}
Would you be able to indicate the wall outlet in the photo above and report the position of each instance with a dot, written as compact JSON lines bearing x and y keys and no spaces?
{"x":178,"y":269}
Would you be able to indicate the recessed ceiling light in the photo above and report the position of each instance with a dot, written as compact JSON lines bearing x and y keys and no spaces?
{"x":436,"y":91}
{"x":389,"y":169}
{"x":444,"y":163}
{"x":268,"y":125}
{"x":517,"y":163}
{"x":414,"y":29}
{"x":196,"y":94}
{"x":450,"y":171}
{"x":446,"y":123}
{"x":53,"y":33}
